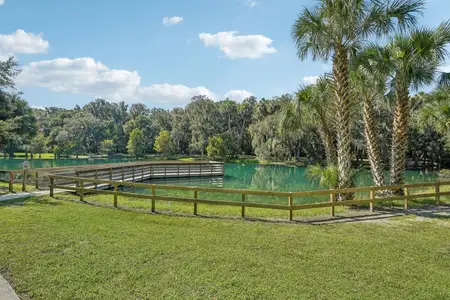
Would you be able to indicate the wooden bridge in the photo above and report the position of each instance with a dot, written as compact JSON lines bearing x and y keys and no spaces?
{"x":125,"y":172}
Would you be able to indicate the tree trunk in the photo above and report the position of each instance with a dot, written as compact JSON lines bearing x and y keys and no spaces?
{"x":343,"y":107}
{"x":373,"y":143}
{"x":399,"y":135}
{"x":329,"y":146}
{"x":40,"y":155}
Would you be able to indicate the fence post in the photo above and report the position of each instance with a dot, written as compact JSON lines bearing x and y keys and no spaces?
{"x":372,"y":197}
{"x":115,"y":194}
{"x":36,"y":184}
{"x":11,"y":182}
{"x":110,"y":175}
{"x":24,"y":180}
{"x":134,"y":172}
{"x":243,"y":207}
{"x":81,"y":191}
{"x":195,"y":203}
{"x":96,"y":176}
{"x":211,"y":168}
{"x":290,"y":209}
{"x":332,"y":200}
{"x":153,"y":198}
{"x":51,"y":186}
{"x":78,"y":175}
{"x":405,"y":203}
{"x":437,"y":191}
{"x":123,"y":173}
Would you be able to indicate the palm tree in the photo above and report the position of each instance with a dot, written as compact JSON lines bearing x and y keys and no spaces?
{"x":369,"y":88}
{"x":411,"y":62}
{"x":311,"y":107}
{"x":337,"y":29}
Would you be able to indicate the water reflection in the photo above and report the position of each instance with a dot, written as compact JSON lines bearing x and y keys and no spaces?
{"x":215,"y":181}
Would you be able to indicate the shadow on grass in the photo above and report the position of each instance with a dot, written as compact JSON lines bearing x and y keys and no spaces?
{"x":28,"y":201}
{"x":355,"y":214}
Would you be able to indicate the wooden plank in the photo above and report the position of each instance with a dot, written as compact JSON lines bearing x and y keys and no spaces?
{"x":290,"y":203}
{"x":153,"y":198}
{"x":115,"y":195}
{"x":405,"y":203}
{"x":81,"y":191}
{"x":36,"y":175}
{"x":24,"y":181}
{"x":437,"y":190}
{"x":195,"y":203}
{"x":332,"y":200}
{"x":243,"y":207}
{"x":372,"y":203}
{"x":51,"y":187}
{"x":11,"y":182}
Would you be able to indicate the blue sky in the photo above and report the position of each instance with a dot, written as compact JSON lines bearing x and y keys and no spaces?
{"x":74,"y":51}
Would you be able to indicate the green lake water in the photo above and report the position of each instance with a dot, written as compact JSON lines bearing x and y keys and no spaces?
{"x":237,"y":176}
{"x":269,"y":178}
{"x":16,"y":164}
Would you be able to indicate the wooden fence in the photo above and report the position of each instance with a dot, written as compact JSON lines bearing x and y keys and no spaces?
{"x":131,"y":171}
{"x":80,"y":185}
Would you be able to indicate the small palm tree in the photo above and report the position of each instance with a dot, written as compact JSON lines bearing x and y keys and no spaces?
{"x":312,"y":107}
{"x":326,"y":176}
{"x":337,"y":29}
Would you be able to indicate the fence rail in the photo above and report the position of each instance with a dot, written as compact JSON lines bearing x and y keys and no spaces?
{"x":80,"y":185}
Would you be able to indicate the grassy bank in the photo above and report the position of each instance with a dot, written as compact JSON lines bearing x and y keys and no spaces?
{"x":56,"y":249}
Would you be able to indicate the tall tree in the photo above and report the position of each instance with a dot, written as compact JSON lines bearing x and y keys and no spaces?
{"x":410,"y":61}
{"x":136,"y":143}
{"x":369,"y":88}
{"x":202,"y":113}
{"x":337,"y":29}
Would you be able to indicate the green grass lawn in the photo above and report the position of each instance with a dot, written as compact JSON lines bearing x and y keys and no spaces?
{"x":59,"y":249}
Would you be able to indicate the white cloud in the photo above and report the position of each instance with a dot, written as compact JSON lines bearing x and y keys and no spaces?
{"x":22,"y":42}
{"x":239,"y":46}
{"x":310,"y":79}
{"x":172,"y":20}
{"x":172,"y":94}
{"x":88,"y":77}
{"x":251,"y":3}
{"x":37,"y":107}
{"x":2,"y":2}
{"x":238,"y":95}
{"x":445,"y":68}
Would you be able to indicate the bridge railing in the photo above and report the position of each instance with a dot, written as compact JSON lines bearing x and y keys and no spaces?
{"x":134,"y":171}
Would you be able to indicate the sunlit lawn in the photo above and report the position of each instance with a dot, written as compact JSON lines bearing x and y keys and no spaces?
{"x":60,"y":249}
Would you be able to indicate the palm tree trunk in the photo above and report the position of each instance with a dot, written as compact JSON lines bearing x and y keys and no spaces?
{"x":343,"y":107}
{"x":399,"y":135}
{"x":329,"y":146}
{"x":373,"y":143}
